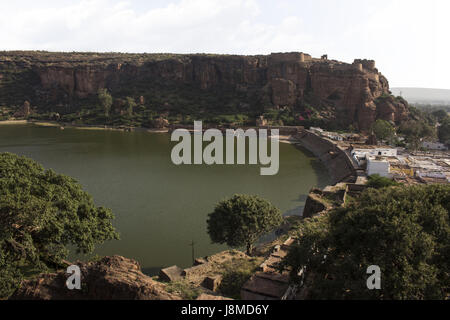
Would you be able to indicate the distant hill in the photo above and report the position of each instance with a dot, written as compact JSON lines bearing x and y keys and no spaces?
{"x":423,"y":95}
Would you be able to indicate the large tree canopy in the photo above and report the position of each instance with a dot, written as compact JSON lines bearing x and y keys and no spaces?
{"x":415,"y":130}
{"x":444,"y":131}
{"x":106,"y":100}
{"x":383,"y":130}
{"x":41,"y":213}
{"x":241,"y":220}
{"x":403,"y":230}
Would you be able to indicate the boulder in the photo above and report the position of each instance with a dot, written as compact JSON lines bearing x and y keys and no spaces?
{"x":160,"y":123}
{"x":265,"y":286}
{"x":170,"y":274}
{"x":111,"y":278}
{"x":199,"y":261}
{"x":212,"y":282}
{"x":314,"y":204}
{"x":261,"y":122}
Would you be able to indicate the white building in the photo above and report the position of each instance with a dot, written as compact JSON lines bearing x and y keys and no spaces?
{"x":361,"y":155}
{"x":432,"y":174}
{"x":329,"y":135}
{"x":434,"y":145}
{"x":333,"y":136}
{"x":378,"y":166}
{"x":385,"y":152}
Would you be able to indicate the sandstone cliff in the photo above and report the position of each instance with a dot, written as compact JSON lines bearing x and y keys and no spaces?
{"x":113,"y":277}
{"x":347,"y":94}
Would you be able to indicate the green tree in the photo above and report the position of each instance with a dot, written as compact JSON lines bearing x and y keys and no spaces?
{"x":440,"y":114}
{"x":130,"y":105}
{"x":403,"y":230}
{"x":383,"y":130}
{"x":10,"y":276}
{"x":106,"y":100}
{"x":41,"y":214}
{"x":376,"y":181}
{"x":351,"y":128}
{"x":444,"y":131}
{"x":242,"y":220}
{"x":416,"y":130}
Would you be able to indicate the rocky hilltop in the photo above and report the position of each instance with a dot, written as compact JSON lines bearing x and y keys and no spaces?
{"x":113,"y":277}
{"x":120,"y":278}
{"x":346,"y":94}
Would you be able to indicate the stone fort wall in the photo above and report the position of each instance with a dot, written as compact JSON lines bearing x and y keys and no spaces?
{"x":289,"y":57}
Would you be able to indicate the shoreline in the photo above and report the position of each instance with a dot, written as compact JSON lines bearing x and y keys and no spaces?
{"x":64,"y":125}
{"x":283,"y":138}
{"x":12,"y":122}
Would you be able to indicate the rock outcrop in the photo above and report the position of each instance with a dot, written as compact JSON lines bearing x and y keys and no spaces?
{"x":113,"y":277}
{"x":24,"y":111}
{"x":172,"y":273}
{"x":320,"y":201}
{"x":314,"y":204}
{"x":348,"y":94}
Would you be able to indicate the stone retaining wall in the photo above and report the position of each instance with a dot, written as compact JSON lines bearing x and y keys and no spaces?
{"x":338,"y":163}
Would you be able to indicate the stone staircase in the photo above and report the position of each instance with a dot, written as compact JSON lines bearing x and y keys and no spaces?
{"x":268,"y":283}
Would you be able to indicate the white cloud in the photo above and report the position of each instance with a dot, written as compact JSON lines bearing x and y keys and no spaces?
{"x":408,"y":38}
{"x":186,"y":26}
{"x":409,"y":41}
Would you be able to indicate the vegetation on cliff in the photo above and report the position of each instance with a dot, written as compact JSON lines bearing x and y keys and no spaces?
{"x":383,"y":130}
{"x":378,"y":182}
{"x":422,"y":125}
{"x":41,"y":214}
{"x":403,"y":230}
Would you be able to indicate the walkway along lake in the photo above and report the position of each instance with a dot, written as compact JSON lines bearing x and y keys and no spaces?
{"x":159,"y":207}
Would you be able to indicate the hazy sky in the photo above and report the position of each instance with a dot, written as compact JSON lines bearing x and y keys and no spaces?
{"x":409,"y":39}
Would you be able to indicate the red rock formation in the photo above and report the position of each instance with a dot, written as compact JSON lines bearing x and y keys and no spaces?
{"x":392,"y":109}
{"x":24,"y":111}
{"x":160,"y":123}
{"x":113,"y":277}
{"x":349,"y":94}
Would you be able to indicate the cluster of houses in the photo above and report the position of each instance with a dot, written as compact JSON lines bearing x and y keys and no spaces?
{"x":402,"y":166}
{"x":336,"y":136}
{"x":432,"y":145}
{"x":427,"y":145}
{"x":396,"y":163}
{"x":374,"y":159}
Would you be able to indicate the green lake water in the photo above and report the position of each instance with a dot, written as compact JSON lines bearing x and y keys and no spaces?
{"x":159,"y":207}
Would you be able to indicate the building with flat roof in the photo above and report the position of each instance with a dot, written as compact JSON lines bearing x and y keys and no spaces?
{"x":361,"y":154}
{"x":378,"y":165}
{"x":434,"y":146}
